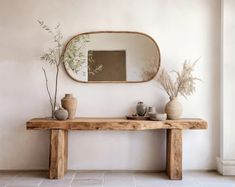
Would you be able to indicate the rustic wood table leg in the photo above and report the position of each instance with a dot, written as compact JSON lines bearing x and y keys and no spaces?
{"x":65,"y":151}
{"x":58,"y":153}
{"x":174,"y":154}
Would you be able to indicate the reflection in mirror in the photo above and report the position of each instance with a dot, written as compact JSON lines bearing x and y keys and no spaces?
{"x":112,"y":57}
{"x":107,"y":65}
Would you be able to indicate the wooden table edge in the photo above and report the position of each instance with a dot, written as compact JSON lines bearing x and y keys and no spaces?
{"x":107,"y":124}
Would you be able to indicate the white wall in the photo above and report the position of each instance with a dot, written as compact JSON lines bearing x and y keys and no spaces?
{"x":226,"y":162}
{"x":228,"y":76}
{"x":182,"y":29}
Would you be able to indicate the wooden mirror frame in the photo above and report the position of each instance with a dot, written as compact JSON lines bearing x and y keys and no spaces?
{"x":129,"y":32}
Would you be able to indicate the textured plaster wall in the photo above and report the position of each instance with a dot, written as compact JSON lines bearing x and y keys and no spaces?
{"x":182,"y":28}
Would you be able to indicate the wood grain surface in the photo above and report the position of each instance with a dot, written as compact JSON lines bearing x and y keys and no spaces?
{"x":58,"y":154}
{"x":174,"y":154}
{"x":114,"y":124}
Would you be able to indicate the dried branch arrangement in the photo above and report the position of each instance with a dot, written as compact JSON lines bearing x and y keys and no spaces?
{"x":54,"y":57}
{"x":184,"y":83}
{"x":74,"y":58}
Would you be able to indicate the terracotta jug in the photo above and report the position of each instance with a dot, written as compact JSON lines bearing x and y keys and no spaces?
{"x":173,"y":108}
{"x":70,"y":104}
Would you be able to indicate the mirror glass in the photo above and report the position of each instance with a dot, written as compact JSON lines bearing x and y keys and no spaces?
{"x":112,"y":57}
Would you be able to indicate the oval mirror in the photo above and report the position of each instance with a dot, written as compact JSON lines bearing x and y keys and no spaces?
{"x":112,"y":57}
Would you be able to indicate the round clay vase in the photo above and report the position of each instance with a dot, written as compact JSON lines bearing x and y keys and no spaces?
{"x":70,"y":104}
{"x":173,"y":108}
{"x":141,"y":109}
{"x":61,"y":114}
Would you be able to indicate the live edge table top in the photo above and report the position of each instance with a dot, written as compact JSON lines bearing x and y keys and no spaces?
{"x":114,"y":124}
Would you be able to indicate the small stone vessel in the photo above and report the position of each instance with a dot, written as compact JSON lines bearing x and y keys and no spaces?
{"x":70,"y":104}
{"x":61,"y":114}
{"x":161,"y":117}
{"x":151,"y":109}
{"x":141,"y":108}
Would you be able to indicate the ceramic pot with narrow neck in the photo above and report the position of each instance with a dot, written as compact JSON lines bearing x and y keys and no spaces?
{"x":173,"y":108}
{"x":70,"y":104}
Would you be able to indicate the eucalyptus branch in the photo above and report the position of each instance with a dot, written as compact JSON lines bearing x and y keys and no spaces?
{"x":57,"y":76}
{"x":45,"y":27}
{"x":56,"y":85}
{"x":48,"y":91}
{"x":53,"y":56}
{"x":73,"y":57}
{"x":61,"y":59}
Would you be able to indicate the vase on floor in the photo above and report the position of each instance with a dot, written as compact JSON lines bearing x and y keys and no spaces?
{"x":173,"y":108}
{"x":70,"y":104}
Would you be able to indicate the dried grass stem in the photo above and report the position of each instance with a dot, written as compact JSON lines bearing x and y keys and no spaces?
{"x":184,"y":83}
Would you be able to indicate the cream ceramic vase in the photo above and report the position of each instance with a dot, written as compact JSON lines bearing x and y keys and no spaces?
{"x":173,"y":108}
{"x":70,"y":104}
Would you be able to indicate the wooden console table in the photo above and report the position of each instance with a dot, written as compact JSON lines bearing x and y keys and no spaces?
{"x":59,"y":138}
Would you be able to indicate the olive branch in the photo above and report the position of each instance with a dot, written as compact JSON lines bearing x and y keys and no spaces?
{"x":54,"y":57}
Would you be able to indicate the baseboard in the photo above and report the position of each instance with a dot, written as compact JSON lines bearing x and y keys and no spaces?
{"x":105,"y":170}
{"x":226,"y":167}
{"x":85,"y":170}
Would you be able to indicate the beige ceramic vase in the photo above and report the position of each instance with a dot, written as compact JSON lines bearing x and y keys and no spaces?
{"x":70,"y":104}
{"x":173,"y":108}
